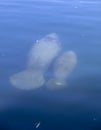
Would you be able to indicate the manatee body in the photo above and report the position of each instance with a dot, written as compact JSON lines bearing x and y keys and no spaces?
{"x":63,"y":67}
{"x":40,"y":57}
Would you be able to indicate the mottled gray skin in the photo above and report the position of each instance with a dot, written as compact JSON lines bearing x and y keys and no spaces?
{"x":43,"y":52}
{"x":63,"y":67}
{"x":40,"y":57}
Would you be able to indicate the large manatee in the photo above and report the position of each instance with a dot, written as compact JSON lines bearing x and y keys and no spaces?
{"x":40,"y":57}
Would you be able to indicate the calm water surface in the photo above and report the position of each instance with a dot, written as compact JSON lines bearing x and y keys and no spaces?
{"x":78,"y":24}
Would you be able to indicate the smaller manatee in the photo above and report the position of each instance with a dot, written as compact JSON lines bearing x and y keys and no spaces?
{"x":63,"y":67}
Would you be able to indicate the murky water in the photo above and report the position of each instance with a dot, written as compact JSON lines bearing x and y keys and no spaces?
{"x":78,"y":25}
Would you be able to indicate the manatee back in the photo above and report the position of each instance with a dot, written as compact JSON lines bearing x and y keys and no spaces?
{"x":43,"y":51}
{"x":65,"y":64}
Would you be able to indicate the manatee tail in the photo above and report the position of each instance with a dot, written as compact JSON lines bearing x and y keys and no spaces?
{"x":27,"y":79}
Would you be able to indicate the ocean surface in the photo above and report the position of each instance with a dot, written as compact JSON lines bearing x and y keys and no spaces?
{"x":78,"y":25}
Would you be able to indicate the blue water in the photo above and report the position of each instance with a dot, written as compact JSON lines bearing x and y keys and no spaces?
{"x":78,"y":24}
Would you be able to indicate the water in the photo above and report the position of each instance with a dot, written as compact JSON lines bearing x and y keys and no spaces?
{"x":78,"y":24}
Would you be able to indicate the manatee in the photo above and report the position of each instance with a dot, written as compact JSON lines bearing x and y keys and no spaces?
{"x":40,"y":57}
{"x":63,"y":67}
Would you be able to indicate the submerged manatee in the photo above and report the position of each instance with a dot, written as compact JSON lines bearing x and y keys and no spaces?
{"x":63,"y":67}
{"x":40,"y":57}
